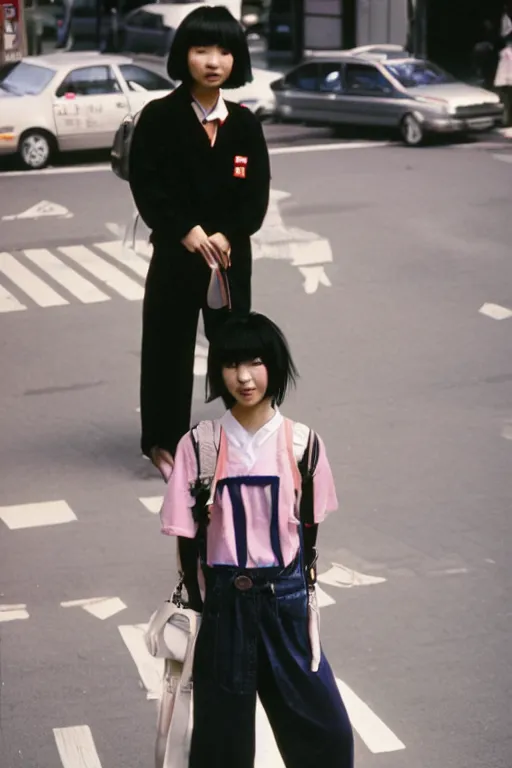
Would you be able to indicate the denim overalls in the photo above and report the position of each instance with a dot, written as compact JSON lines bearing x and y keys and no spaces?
{"x":254,"y":640}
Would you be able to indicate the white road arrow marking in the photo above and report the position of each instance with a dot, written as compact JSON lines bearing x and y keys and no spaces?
{"x":13,"y":612}
{"x":76,"y":747}
{"x":323,"y":598}
{"x":44,"y":208}
{"x":305,"y":250}
{"x":313,"y":278}
{"x":375,"y":734}
{"x":101,"y":607}
{"x":495,"y":311}
{"x":340,"y":576}
{"x":150,"y":670}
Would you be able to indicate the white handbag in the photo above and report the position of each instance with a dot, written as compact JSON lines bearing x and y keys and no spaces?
{"x":169,"y":629}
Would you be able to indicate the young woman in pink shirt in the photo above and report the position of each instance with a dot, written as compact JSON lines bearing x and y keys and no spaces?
{"x":256,"y":545}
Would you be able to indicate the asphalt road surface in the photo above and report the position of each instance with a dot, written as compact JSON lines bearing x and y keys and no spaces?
{"x":390,"y":271}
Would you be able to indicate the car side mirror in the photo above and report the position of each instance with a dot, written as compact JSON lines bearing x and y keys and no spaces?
{"x":277,"y":85}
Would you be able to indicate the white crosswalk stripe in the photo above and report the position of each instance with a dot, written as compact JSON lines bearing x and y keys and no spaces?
{"x":104,"y":271}
{"x":84,"y":290}
{"x":30,"y":283}
{"x":125,"y":256}
{"x":35,"y":273}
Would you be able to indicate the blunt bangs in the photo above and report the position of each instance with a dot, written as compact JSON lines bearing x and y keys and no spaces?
{"x":246,"y":338}
{"x":211,"y":25}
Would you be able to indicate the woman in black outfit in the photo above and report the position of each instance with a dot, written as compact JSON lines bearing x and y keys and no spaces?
{"x":200,"y":178}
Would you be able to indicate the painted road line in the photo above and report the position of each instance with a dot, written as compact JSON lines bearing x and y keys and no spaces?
{"x":44,"y":208}
{"x":99,"y":167}
{"x":104,"y":271}
{"x":340,"y":576}
{"x":323,"y":599}
{"x":29,"y":283}
{"x":372,"y":730}
{"x":152,"y":503}
{"x":314,"y":277}
{"x":77,"y":285}
{"x":200,"y":360}
{"x":267,"y":753}
{"x":76,"y":747}
{"x":150,"y":670}
{"x":37,"y":515}
{"x":13,"y":612}
{"x":101,"y":607}
{"x":125,"y":256}
{"x":495,"y":311}
{"x":8,"y":303}
{"x":328,"y":147}
{"x":102,"y":167}
{"x":375,"y":734}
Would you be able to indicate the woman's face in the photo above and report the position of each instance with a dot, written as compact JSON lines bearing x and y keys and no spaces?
{"x":209,"y":66}
{"x":246,"y":382}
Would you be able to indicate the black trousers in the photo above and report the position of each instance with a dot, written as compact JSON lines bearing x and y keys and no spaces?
{"x":176,"y":287}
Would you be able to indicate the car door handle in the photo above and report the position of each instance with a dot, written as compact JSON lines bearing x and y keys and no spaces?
{"x":121,"y":104}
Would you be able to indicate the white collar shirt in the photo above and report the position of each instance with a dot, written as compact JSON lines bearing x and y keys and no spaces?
{"x":218,"y":115}
{"x":244,"y":445}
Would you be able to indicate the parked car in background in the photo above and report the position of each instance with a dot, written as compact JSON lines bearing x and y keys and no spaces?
{"x":258,"y":96}
{"x":386,"y":88}
{"x":150,"y":29}
{"x":70,"y":101}
{"x":119,"y":26}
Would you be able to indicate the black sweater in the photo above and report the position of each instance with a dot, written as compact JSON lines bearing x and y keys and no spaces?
{"x":179,"y":181}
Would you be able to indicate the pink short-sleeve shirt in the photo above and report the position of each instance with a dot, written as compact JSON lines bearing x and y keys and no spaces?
{"x":253,"y":521}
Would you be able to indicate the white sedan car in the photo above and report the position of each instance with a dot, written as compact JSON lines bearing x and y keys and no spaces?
{"x":70,"y":101}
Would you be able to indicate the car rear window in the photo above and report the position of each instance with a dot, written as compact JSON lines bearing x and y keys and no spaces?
{"x":412,"y":74}
{"x":27,"y":79}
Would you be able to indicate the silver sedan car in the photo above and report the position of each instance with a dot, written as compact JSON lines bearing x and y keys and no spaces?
{"x":366,"y":87}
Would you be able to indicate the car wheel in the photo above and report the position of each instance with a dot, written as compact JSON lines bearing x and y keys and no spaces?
{"x":35,"y":149}
{"x":412,"y":131}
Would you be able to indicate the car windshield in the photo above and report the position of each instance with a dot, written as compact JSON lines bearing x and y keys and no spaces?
{"x":411,"y":74}
{"x":26,"y":79}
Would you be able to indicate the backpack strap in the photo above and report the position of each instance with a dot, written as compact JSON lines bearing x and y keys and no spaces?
{"x":206,"y":438}
{"x":306,"y":451}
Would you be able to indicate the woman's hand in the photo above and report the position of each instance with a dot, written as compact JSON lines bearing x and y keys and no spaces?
{"x":163,"y":461}
{"x":221,"y":243}
{"x":197,"y":241}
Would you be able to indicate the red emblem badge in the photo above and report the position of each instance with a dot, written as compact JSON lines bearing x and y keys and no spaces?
{"x":240,"y":166}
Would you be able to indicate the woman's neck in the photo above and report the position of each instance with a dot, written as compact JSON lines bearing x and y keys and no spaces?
{"x":252,"y":419}
{"x":206,"y":97}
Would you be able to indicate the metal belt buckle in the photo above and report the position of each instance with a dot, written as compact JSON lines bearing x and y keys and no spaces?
{"x":243,"y":583}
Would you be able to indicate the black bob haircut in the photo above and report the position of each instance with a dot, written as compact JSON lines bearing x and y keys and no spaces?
{"x":242,"y":338}
{"x":211,"y":25}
